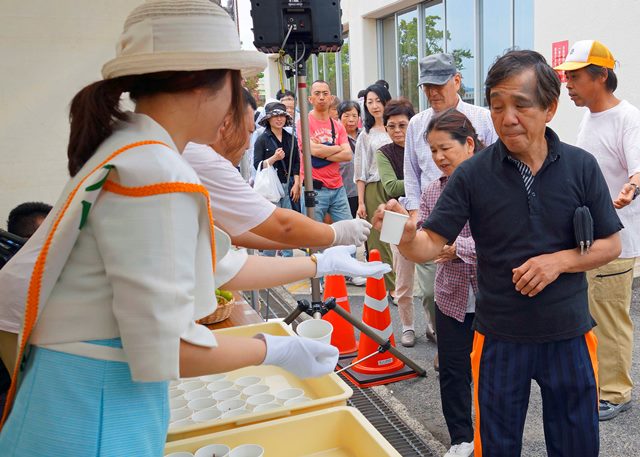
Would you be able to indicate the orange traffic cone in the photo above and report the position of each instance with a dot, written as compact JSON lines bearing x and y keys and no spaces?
{"x":381,"y":368}
{"x":376,"y":315}
{"x":343,"y":336}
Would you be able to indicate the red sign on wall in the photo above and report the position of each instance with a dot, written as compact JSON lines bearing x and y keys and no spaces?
{"x":559,"y":51}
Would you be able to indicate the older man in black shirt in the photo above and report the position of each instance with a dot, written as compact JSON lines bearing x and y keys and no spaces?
{"x":532,"y":316}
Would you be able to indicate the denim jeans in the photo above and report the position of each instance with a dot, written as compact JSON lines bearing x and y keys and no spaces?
{"x":330,"y":201}
{"x":284,"y":202}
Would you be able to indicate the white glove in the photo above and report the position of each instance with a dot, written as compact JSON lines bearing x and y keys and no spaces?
{"x":354,"y":231}
{"x":303,"y":357}
{"x":338,"y":261}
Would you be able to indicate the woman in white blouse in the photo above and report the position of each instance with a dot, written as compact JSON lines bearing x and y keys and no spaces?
{"x":126,"y":262}
{"x":371,"y":192}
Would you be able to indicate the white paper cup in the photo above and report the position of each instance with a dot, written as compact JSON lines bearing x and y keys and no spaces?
{"x":256,"y":389}
{"x":206,"y":415}
{"x":213,"y":378}
{"x":180,"y":454}
{"x":267,"y":407}
{"x":201,"y":403}
{"x":177,"y":403}
{"x":219,"y":450}
{"x":288,"y":394}
{"x":188,"y":386}
{"x":229,"y":405}
{"x":199,"y":393}
{"x":247,"y":450}
{"x":297,"y":401}
{"x":316,"y":329}
{"x":217,"y":386}
{"x":261,"y":399}
{"x":392,"y":227}
{"x":181,"y":423}
{"x":179,"y":414}
{"x":228,"y":394}
{"x":177,"y":393}
{"x":247,"y":381}
{"x":234,"y":413}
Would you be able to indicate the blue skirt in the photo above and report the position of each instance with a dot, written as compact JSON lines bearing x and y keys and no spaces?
{"x":74,"y":406}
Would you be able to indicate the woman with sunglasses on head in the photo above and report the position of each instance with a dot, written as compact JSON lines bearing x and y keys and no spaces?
{"x":129,"y":258}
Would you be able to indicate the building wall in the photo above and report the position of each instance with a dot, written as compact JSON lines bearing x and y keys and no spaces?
{"x":52,"y":49}
{"x":614,"y":24}
{"x":49,"y":51}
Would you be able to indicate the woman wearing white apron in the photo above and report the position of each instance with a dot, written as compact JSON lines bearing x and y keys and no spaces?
{"x":127,"y":258}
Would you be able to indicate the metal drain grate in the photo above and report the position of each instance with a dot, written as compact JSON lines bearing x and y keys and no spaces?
{"x":387,"y":422}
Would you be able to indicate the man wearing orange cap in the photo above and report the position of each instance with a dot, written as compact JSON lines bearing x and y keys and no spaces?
{"x":610,"y":130}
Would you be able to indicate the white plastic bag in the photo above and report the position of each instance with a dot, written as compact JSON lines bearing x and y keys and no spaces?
{"x":268,"y":184}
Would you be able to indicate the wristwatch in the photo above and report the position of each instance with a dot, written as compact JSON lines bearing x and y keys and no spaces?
{"x":636,"y":190}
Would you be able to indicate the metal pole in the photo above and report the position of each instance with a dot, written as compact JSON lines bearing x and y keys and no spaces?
{"x":254,"y":293}
{"x":375,"y":337}
{"x":309,"y":193}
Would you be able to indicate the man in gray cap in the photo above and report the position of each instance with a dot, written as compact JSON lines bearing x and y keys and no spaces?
{"x":440,"y":81}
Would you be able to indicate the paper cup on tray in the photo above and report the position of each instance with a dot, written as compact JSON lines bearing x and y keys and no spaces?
{"x":201,"y":403}
{"x":316,"y":329}
{"x":206,"y":415}
{"x":392,"y":227}
{"x":288,"y":394}
{"x":255,"y":389}
{"x":219,"y":450}
{"x":247,"y":450}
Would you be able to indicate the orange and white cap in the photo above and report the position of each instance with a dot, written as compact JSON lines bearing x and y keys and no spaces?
{"x":587,"y":52}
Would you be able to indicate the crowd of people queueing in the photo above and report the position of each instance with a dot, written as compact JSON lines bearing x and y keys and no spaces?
{"x":403,"y":161}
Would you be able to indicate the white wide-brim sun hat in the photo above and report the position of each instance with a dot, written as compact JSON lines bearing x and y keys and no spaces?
{"x":180,"y":35}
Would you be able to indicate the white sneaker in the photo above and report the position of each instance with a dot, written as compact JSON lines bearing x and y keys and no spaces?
{"x":460,"y":450}
{"x":357,"y":280}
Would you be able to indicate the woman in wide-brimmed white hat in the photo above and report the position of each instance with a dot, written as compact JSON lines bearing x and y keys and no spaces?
{"x":129,"y":258}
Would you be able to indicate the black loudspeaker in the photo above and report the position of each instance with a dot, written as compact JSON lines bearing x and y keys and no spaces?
{"x":312,"y":23}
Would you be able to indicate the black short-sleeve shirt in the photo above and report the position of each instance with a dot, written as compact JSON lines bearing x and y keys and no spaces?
{"x":510,"y":226}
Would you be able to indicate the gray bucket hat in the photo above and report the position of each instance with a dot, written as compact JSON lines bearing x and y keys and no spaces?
{"x":437,"y":69}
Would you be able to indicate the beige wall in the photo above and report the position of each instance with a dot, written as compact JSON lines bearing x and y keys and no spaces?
{"x":614,"y":24}
{"x":50,"y":50}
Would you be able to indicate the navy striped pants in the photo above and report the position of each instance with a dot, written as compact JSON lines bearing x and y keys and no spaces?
{"x":566,"y":372}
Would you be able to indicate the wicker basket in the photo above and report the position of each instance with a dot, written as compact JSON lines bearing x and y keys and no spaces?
{"x":222,"y":312}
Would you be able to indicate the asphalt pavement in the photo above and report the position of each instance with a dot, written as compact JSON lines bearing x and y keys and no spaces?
{"x":417,"y":400}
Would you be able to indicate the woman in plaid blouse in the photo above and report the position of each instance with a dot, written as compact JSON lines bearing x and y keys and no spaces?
{"x":452,"y":140}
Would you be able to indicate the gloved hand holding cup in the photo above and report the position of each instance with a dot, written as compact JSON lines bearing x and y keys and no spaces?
{"x":303,"y":357}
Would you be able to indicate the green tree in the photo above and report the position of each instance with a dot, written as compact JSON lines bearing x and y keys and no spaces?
{"x":434,"y":43}
{"x":408,"y":58}
{"x":252,"y":84}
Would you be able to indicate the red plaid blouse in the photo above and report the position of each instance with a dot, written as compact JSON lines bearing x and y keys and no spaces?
{"x":452,"y":277}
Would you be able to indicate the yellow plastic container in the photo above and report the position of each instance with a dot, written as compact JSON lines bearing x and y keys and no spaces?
{"x":335,"y":432}
{"x":324,"y":392}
